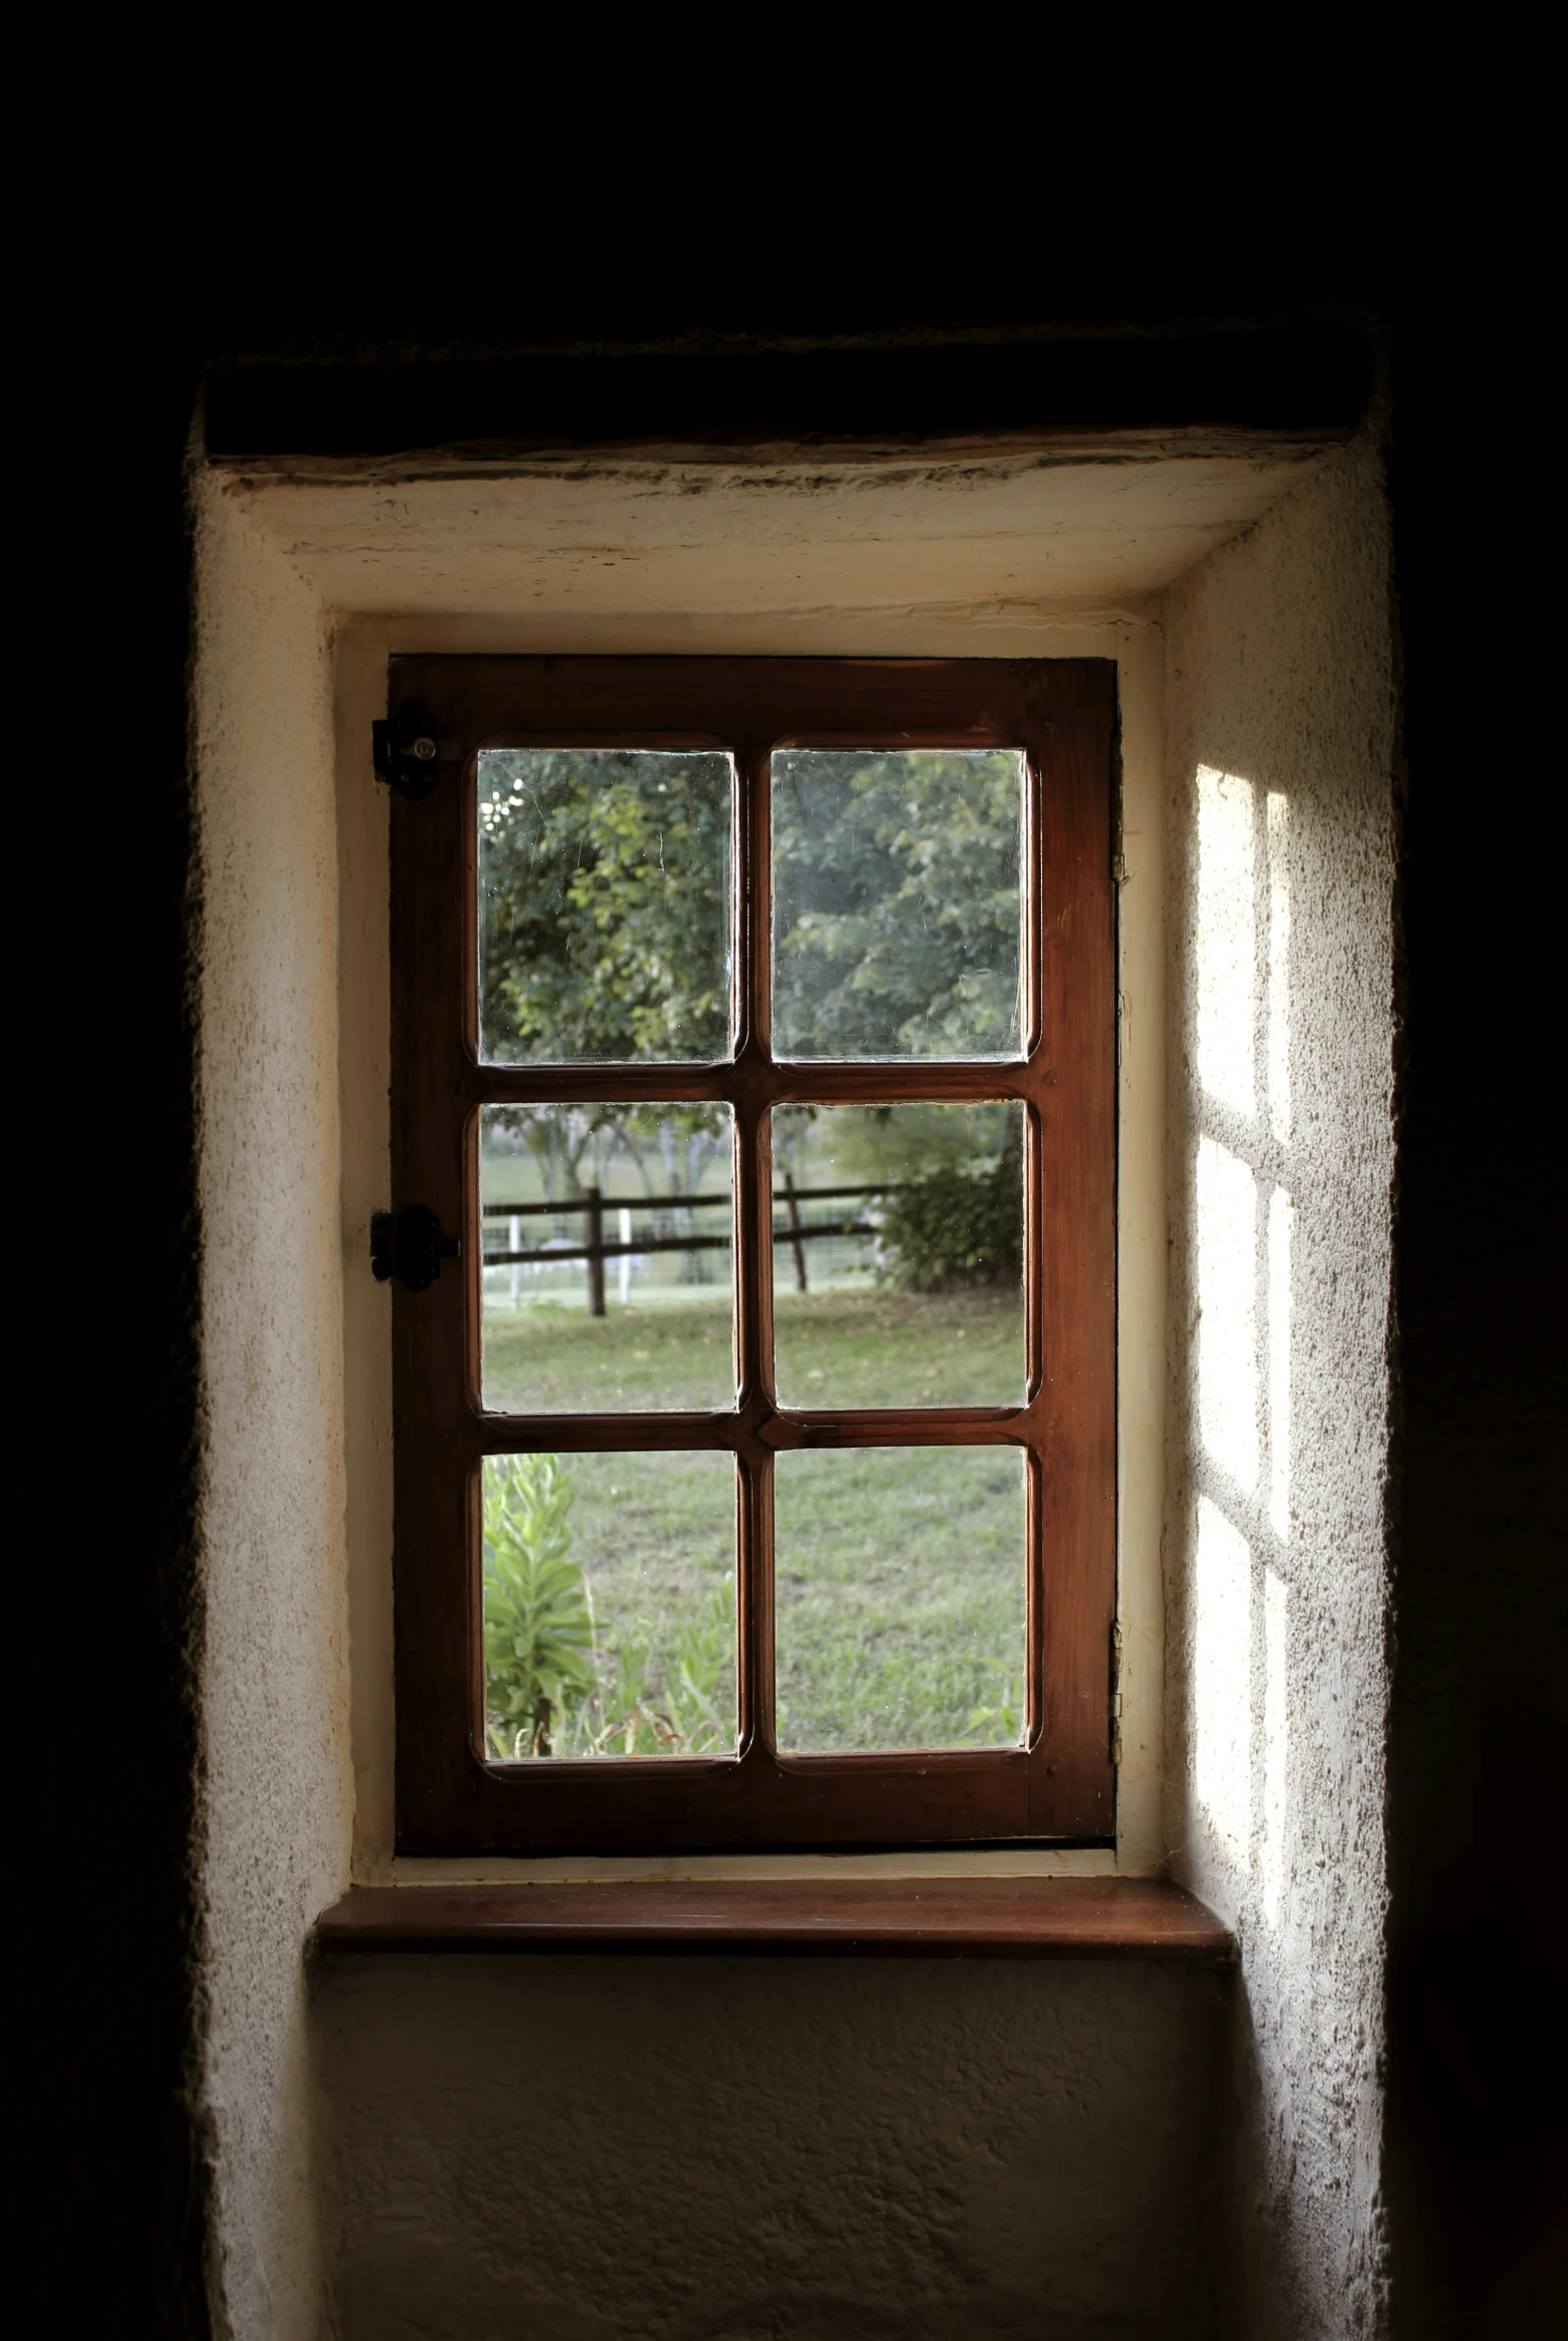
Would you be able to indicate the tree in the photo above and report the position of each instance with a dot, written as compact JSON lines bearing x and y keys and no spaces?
{"x":896,"y":903}
{"x":605,"y":924}
{"x":605,"y":904}
{"x":604,"y":927}
{"x":605,"y":934}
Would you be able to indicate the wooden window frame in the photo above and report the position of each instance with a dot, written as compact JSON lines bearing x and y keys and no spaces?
{"x":1058,"y":1787}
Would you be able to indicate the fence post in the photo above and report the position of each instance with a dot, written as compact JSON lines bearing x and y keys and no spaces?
{"x":595,"y":1252}
{"x":795,"y":1245}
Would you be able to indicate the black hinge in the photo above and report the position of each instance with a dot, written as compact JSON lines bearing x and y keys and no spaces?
{"x":409,"y":1247}
{"x":407,"y":754}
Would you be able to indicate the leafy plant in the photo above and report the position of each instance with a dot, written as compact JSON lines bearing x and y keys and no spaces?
{"x":704,"y":1647}
{"x":538,"y":1622}
{"x":678,"y":1715}
{"x":549,"y":1690}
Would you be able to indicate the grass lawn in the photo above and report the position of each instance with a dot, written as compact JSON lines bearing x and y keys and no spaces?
{"x":834,"y":1348}
{"x":550,"y":1358}
{"x":900,"y":1571}
{"x":879,"y":1349}
{"x":898,"y":1599}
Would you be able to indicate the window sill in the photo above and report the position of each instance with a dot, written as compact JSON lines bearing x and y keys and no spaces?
{"x":1014,"y":1918}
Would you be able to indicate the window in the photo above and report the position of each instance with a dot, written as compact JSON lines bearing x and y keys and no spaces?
{"x":753,"y":1039}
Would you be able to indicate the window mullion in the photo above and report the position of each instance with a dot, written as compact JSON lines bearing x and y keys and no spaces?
{"x":753,"y":1263}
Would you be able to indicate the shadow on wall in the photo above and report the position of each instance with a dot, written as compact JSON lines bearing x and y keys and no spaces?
{"x":722,"y":2149}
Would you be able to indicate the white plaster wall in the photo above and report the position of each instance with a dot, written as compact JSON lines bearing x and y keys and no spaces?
{"x":1065,"y":2111}
{"x":1279,"y":703}
{"x":676,"y":2149}
{"x":999,"y":532}
{"x":279,"y":1789}
{"x":364,"y":1081}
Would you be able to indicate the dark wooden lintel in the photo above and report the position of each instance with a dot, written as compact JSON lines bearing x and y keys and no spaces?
{"x":1124,"y":396}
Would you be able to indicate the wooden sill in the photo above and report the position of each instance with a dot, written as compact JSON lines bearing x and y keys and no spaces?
{"x":996,"y":1918}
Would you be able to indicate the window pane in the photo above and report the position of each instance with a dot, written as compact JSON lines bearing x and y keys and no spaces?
{"x":896,"y":909}
{"x":603,"y":905}
{"x":607,"y":1240}
{"x":898,"y":1255}
{"x":609,"y":1605}
{"x":899,"y":1597}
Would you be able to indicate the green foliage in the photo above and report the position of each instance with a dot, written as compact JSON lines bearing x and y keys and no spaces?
{"x":896,"y":903}
{"x":604,"y":884}
{"x":605,"y":880}
{"x":666,"y":1705}
{"x":538,"y":1626}
{"x":550,"y":1688}
{"x":921,"y":1617}
{"x":955,"y":1230}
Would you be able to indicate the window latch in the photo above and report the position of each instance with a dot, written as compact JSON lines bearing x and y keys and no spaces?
{"x":407,"y":754}
{"x":410,"y":1247}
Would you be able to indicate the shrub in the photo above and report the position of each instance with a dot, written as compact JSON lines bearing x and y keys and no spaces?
{"x":954,"y":1231}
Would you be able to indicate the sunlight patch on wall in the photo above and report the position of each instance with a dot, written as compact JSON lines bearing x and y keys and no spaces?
{"x":1278,"y":835}
{"x":1244,"y":1245}
{"x":1227,"y":1324}
{"x":1282,"y":1223}
{"x":1226,"y":938}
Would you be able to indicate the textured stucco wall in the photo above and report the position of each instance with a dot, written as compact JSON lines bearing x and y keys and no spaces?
{"x":278,"y":1787}
{"x":768,"y":2150}
{"x":963,"y":2146}
{"x":1280,"y":817}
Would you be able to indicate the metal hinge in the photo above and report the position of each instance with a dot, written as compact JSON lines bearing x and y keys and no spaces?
{"x":407,"y":754}
{"x":409,"y":1247}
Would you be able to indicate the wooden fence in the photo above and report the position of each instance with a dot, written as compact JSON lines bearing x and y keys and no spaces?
{"x":591,"y":1206}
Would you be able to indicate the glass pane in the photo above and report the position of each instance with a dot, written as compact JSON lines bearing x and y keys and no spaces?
{"x":898,"y":916}
{"x":606,"y":1244}
{"x":603,"y":905}
{"x":900,"y":1598}
{"x":609,"y":1605}
{"x":898,"y":1255}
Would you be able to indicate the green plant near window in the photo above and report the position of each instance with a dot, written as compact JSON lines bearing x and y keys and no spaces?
{"x":703,"y":1648}
{"x":668,"y":1704}
{"x":546,"y":1689}
{"x":538,"y":1623}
